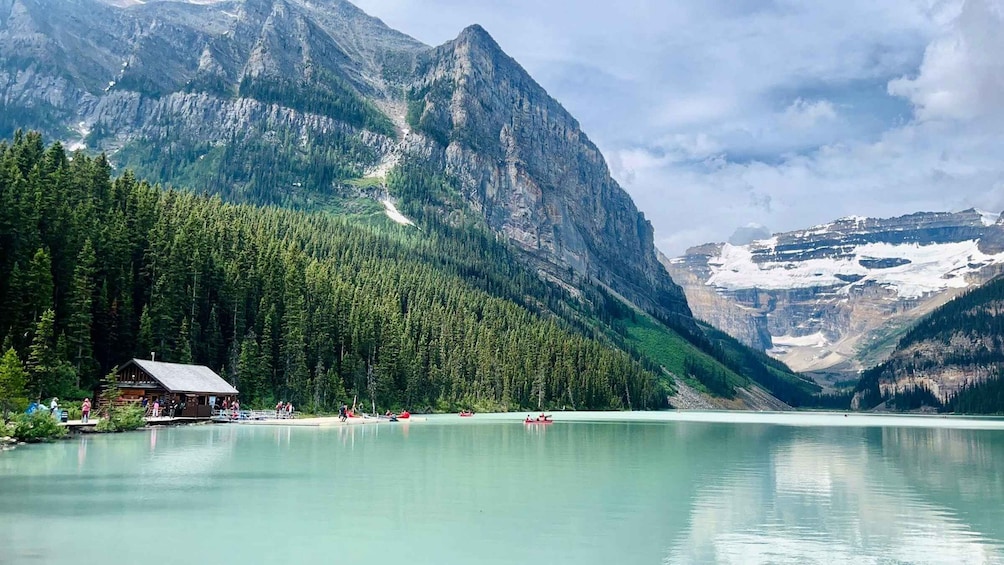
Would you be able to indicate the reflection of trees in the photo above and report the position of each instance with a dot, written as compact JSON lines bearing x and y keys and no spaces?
{"x":958,"y":469}
{"x":835,"y":495}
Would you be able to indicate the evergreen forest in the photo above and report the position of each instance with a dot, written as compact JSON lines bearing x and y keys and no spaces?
{"x":287,"y":305}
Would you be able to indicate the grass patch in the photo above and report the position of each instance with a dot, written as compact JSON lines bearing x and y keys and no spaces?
{"x":366,"y":182}
{"x":678,"y":356}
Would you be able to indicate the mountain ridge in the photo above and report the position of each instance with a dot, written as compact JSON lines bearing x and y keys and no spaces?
{"x":834,"y":298}
{"x":297,"y":104}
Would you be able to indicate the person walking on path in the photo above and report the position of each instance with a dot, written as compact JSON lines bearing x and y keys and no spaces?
{"x":278,"y":410}
{"x":85,"y":410}
{"x":53,"y":406}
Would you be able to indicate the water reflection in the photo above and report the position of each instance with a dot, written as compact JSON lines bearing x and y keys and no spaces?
{"x":500,"y":492}
{"x":850,"y":496}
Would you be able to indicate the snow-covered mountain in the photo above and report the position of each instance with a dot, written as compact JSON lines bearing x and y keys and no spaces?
{"x":835,"y":297}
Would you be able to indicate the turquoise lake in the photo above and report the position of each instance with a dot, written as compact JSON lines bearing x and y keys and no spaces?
{"x":590,"y":488}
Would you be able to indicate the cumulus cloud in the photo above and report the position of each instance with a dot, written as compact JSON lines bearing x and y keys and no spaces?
{"x":962,"y":76}
{"x":803,"y":114}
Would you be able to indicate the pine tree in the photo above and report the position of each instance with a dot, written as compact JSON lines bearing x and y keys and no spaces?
{"x":184,"y":344}
{"x":12,"y":382}
{"x":80,"y":316}
{"x":145,"y":345}
{"x":42,"y":360}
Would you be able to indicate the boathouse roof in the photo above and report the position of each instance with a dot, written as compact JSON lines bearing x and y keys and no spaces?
{"x":176,"y":377}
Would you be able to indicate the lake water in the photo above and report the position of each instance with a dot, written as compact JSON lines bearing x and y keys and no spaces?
{"x":590,"y":488}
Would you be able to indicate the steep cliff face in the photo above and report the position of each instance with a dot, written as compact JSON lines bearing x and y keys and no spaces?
{"x":522,"y":161}
{"x":837,"y":297}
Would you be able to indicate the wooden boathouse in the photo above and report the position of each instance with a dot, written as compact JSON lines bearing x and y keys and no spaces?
{"x":183,"y":391}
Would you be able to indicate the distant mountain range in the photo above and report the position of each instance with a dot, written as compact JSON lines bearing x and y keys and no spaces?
{"x":834,"y":299}
{"x":313,"y":104}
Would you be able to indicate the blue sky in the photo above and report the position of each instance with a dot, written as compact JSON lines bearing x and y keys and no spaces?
{"x":716,"y":114}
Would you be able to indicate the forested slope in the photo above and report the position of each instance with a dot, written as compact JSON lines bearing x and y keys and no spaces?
{"x":288,"y":305}
{"x":952,"y":359}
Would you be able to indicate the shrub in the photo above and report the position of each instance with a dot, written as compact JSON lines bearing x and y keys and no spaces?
{"x":122,"y":419}
{"x":36,"y":427}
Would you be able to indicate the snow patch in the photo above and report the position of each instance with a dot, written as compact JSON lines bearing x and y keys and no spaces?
{"x":988,"y":218}
{"x":388,"y":162}
{"x":931,"y":268}
{"x":83,"y":131}
{"x":393,"y":213}
{"x":814,"y":340}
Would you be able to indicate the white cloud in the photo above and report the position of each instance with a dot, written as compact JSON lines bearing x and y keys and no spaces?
{"x":962,"y":76}
{"x":803,"y":114}
{"x":717,"y":113}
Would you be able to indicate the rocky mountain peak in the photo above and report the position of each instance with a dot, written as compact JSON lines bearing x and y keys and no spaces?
{"x":537,"y":178}
{"x":477,"y":35}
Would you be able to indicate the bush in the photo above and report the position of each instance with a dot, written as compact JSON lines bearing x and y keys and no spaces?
{"x":122,"y":419}
{"x":36,"y":427}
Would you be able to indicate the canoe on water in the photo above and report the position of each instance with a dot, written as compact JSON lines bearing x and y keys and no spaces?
{"x":466,"y":414}
{"x":538,"y":421}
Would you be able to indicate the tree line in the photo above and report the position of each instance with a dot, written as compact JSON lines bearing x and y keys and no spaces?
{"x":305,"y":307}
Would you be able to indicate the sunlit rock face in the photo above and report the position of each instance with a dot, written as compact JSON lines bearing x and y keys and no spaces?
{"x":522,"y":160}
{"x":836,"y":297}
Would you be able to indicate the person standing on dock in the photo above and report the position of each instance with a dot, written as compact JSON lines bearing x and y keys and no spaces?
{"x":53,"y":406}
{"x":156,"y":408}
{"x":85,"y":410}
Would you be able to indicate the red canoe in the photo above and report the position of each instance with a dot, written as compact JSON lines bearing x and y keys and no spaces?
{"x":538,"y":421}
{"x":404,"y":415}
{"x":466,"y":414}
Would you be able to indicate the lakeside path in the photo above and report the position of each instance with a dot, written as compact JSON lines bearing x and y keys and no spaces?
{"x":324,"y":421}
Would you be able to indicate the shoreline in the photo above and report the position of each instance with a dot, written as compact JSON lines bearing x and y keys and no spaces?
{"x":323,"y":421}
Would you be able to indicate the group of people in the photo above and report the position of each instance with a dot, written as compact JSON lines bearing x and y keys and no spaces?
{"x":55,"y":412}
{"x":231,"y":409}
{"x":542,"y":418}
{"x":344,"y":413}
{"x":169,"y":408}
{"x":283,"y":410}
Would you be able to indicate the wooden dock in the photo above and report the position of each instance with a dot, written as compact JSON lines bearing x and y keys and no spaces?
{"x":80,"y":426}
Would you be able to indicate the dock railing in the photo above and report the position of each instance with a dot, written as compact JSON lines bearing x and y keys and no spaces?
{"x":234,"y":415}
